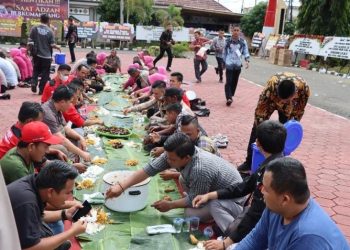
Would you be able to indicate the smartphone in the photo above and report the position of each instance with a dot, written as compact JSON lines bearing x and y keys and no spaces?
{"x":82,"y":211}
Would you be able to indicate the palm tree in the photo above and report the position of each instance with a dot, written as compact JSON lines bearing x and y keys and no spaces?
{"x":170,"y":16}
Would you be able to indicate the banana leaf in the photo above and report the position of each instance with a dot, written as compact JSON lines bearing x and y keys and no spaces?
{"x":128,"y":232}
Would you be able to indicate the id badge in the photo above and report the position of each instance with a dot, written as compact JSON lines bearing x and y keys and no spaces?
{"x":238,"y":53}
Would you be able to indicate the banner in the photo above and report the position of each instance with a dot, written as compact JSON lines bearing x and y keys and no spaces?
{"x":337,"y":47}
{"x":271,"y":42}
{"x":153,"y":33}
{"x":11,"y":26}
{"x":257,"y":39}
{"x":32,"y":9}
{"x":113,"y":31}
{"x":306,"y":46}
{"x":86,"y":30}
{"x":55,"y":25}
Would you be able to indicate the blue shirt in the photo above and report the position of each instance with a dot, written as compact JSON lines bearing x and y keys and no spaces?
{"x":312,"y":229}
{"x":234,"y":50}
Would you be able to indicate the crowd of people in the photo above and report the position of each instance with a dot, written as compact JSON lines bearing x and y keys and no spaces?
{"x":270,"y":209}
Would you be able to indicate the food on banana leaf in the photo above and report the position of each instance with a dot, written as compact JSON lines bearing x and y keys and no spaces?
{"x":115,"y":143}
{"x":169,"y":189}
{"x":90,"y":141}
{"x":131,"y":163}
{"x":85,"y":184}
{"x":167,"y":198}
{"x":99,"y":160}
{"x":102,"y":217}
{"x":114,"y":130}
{"x":193,"y":240}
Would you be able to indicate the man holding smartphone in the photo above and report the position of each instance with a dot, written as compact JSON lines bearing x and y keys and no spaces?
{"x":29,"y":195}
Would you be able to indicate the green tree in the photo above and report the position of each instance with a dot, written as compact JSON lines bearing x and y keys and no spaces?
{"x":139,"y":11}
{"x":289,"y":28}
{"x":109,"y":11}
{"x":324,"y":17}
{"x":136,"y":11}
{"x":170,"y":16}
{"x":253,"y":21}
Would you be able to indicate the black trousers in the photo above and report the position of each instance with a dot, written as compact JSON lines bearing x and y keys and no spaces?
{"x":220,"y":66}
{"x":282,"y":119}
{"x":161,"y":54}
{"x":71,"y":51}
{"x":41,"y":66}
{"x":232,"y":76}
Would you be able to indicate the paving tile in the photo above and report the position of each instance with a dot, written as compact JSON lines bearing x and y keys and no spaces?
{"x":324,"y":152}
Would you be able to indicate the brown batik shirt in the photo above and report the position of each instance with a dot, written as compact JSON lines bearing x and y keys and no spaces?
{"x":269,"y":100}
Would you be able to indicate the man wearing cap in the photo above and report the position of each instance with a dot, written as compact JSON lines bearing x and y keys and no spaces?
{"x":34,"y":143}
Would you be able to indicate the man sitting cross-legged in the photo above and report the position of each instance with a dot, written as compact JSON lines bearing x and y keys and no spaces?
{"x":271,"y":137}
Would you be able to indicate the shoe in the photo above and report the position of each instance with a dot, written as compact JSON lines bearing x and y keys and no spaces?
{"x":220,"y":81}
{"x":216,"y":70}
{"x":168,"y":69}
{"x":228,"y":102}
{"x":41,"y":92}
{"x":5,"y":96}
{"x":11,"y":87}
{"x":244,"y":167}
{"x":33,"y":88}
{"x":198,"y":81}
{"x":65,"y":245}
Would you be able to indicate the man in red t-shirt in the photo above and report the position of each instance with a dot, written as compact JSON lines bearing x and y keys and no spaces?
{"x":198,"y":60}
{"x":62,"y":77}
{"x":72,"y":113}
{"x":176,"y":79}
{"x":29,"y":111}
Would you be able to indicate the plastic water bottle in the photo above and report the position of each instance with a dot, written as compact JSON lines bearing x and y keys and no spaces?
{"x":208,"y":232}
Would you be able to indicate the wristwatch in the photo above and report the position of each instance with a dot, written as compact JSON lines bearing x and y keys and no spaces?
{"x":63,"y":214}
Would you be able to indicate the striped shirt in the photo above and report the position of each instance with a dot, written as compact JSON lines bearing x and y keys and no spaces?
{"x":205,"y":173}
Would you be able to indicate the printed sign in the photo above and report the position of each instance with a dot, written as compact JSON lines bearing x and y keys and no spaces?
{"x":337,"y":47}
{"x":271,"y":42}
{"x":306,"y":46}
{"x":153,"y":33}
{"x":32,"y":9}
{"x":115,"y":31}
{"x":11,"y":26}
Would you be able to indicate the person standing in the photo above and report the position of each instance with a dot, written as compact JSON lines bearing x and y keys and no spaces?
{"x":285,"y":92}
{"x":41,"y":40}
{"x":235,"y":48}
{"x":198,"y":60}
{"x":72,"y":37}
{"x":166,"y":41}
{"x":219,"y":43}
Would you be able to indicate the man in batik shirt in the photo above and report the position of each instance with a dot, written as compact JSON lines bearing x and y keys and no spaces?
{"x":285,"y":92}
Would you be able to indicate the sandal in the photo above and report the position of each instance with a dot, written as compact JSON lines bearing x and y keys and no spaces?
{"x":24,"y":85}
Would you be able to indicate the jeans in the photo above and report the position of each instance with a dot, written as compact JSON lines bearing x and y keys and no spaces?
{"x":197,"y":70}
{"x":71,"y":51}
{"x":282,"y":119}
{"x":220,"y":66}
{"x":41,"y":66}
{"x":161,"y":54}
{"x":56,"y":227}
{"x":232,"y":76}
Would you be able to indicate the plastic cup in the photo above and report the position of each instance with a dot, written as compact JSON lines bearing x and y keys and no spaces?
{"x":194,"y":223}
{"x":186,"y":225}
{"x":177,"y":223}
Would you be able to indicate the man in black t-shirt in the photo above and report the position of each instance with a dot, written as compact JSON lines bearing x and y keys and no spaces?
{"x":41,"y":42}
{"x":72,"y":38}
{"x":29,"y":197}
{"x":166,"y":41}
